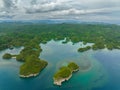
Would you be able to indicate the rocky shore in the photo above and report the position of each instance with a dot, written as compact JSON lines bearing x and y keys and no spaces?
{"x":75,"y":70}
{"x":30,"y":75}
{"x":59,"y":82}
{"x":14,"y":57}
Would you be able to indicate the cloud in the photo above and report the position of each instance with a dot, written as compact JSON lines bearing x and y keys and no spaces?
{"x":60,"y":9}
{"x":38,"y":8}
{"x":8,"y":3}
{"x":6,"y":15}
{"x":46,"y":7}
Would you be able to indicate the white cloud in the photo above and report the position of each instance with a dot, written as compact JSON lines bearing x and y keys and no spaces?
{"x":60,"y":9}
{"x":1,"y":4}
{"x":36,"y":8}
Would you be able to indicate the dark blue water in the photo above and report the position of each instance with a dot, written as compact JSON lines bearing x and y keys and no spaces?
{"x":111,"y":62}
{"x":99,"y":70}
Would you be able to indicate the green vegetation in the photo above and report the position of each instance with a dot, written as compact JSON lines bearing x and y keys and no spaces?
{"x":33,"y":65}
{"x":30,"y":55}
{"x":66,"y":72}
{"x":84,"y":49}
{"x":28,"y":51}
{"x":7,"y":56}
{"x":20,"y":34}
{"x":31,"y":35}
{"x":73,"y":66}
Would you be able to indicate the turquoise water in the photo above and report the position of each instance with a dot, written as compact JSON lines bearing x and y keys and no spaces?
{"x":99,"y":70}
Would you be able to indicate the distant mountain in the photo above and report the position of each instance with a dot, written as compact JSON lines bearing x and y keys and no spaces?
{"x":40,"y":21}
{"x":51,"y":21}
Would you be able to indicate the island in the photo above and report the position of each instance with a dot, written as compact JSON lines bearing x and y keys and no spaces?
{"x":7,"y":56}
{"x":20,"y":34}
{"x":32,"y":67}
{"x":84,"y":49}
{"x":33,"y":64}
{"x":30,"y":36}
{"x":65,"y":73}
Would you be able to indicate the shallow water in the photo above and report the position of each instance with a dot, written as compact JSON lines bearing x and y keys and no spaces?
{"x":99,"y":70}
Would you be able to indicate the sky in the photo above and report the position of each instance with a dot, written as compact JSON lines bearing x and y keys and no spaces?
{"x":83,"y":10}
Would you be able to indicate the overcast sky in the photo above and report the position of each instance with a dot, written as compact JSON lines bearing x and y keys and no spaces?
{"x":84,"y":10}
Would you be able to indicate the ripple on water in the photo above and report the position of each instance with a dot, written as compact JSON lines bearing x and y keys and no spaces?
{"x":90,"y":75}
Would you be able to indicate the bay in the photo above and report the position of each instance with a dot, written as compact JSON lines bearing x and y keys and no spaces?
{"x":99,"y":70}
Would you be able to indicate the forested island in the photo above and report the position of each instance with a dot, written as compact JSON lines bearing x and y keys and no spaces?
{"x":30,"y":55}
{"x":65,"y":73}
{"x":30,"y":35}
{"x":7,"y":56}
{"x":20,"y":34}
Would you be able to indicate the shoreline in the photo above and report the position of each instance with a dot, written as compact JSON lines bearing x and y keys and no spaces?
{"x":75,"y":70}
{"x":59,"y":82}
{"x":27,"y":76}
{"x":14,"y":57}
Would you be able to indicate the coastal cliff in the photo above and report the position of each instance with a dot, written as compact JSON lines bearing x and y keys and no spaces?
{"x":59,"y":82}
{"x":65,"y":73}
{"x":30,"y":75}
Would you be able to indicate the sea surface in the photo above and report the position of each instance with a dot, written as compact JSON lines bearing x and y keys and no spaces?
{"x":99,"y":70}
